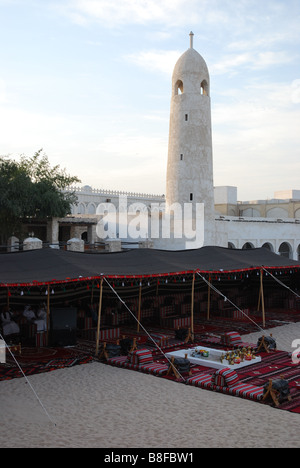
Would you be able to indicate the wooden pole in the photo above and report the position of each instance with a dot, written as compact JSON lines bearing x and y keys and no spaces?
{"x":48,"y":314}
{"x":192,"y":305}
{"x":259,"y":295}
{"x":259,"y":299}
{"x":99,"y":317}
{"x":139,"y":307}
{"x":208,"y":299}
{"x":262,"y":298}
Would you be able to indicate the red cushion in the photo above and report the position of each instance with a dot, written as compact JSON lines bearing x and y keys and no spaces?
{"x":233,"y":338}
{"x":141,"y":356}
{"x":225,"y":377}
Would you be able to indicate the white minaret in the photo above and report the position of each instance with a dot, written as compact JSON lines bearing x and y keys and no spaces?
{"x":190,"y":163}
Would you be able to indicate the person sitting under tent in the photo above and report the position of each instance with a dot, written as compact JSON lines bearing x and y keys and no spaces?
{"x":40,"y":319}
{"x":42,"y":314}
{"x":9,"y":326}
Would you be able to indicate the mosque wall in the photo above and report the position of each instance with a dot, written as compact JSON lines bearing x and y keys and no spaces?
{"x":281,"y":237}
{"x":248,"y":227}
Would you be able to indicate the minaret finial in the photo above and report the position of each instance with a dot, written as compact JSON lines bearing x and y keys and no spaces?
{"x":191,"y":39}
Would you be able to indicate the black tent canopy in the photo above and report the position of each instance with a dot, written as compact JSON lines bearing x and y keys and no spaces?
{"x":50,"y":266}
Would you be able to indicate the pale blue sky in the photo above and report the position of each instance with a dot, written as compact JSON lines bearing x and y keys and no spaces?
{"x":89,"y":81}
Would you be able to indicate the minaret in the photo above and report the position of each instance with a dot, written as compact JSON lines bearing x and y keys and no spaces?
{"x":190,"y":163}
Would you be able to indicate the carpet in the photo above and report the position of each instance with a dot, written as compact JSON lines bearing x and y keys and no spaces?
{"x":220,"y":324}
{"x":38,"y":360}
{"x":274,"y":366}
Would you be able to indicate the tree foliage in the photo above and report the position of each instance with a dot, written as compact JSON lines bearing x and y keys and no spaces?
{"x":31,"y":188}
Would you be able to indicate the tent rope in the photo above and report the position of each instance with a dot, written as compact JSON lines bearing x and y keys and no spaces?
{"x":227,"y":299}
{"x":280,"y":282}
{"x":26,"y":378}
{"x":140,"y":324}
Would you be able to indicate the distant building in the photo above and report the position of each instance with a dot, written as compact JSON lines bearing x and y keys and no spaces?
{"x":225,"y":221}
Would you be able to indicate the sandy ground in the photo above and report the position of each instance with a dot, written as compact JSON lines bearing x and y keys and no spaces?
{"x":95,"y":405}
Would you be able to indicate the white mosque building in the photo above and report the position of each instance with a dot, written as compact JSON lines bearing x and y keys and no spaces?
{"x":193,"y":213}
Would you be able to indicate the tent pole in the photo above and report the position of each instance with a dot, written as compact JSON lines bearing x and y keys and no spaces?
{"x":99,"y":317}
{"x":48,"y":314}
{"x":139,"y":307}
{"x":192,"y":305}
{"x":208,"y":299}
{"x":262,"y":298}
{"x":259,"y":299}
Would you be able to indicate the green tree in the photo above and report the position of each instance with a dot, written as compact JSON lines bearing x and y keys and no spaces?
{"x":31,"y":188}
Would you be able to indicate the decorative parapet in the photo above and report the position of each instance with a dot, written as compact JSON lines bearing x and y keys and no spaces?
{"x":87,"y":190}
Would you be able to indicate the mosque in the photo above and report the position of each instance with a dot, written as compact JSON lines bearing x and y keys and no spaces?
{"x":193,"y":213}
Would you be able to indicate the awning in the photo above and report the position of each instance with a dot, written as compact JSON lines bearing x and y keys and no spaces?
{"x":50,"y":266}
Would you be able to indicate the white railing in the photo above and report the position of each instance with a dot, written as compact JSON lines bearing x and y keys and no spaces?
{"x":108,"y":193}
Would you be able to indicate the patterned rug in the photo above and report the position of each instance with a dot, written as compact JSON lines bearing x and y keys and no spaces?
{"x":38,"y":360}
{"x":274,"y":366}
{"x":244,"y":326}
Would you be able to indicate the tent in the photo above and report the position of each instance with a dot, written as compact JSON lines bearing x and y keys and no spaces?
{"x":51,"y":266}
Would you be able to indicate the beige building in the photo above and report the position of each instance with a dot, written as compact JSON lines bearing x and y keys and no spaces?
{"x":284,"y":205}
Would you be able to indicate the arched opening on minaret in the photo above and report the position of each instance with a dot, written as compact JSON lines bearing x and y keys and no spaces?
{"x":178,"y":88}
{"x":204,"y":88}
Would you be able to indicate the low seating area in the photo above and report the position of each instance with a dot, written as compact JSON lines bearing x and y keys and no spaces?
{"x":149,"y":352}
{"x":230,"y":339}
{"x":226,"y":381}
{"x":234,"y":340}
{"x":142,"y":360}
{"x":175,"y":321}
{"x":275,"y":377}
{"x":223,"y":380}
{"x":161,"y":339}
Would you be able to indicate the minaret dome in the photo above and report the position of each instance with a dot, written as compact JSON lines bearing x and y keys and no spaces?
{"x":191,"y":74}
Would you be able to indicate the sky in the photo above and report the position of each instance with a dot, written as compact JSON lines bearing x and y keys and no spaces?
{"x":89,"y":82}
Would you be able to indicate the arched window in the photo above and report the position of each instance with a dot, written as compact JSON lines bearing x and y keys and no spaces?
{"x":285,"y":250}
{"x":204,"y":88}
{"x":248,"y":245}
{"x":81,"y":208}
{"x":277,"y":213}
{"x":268,"y":246}
{"x":91,"y":209}
{"x":178,"y":87}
